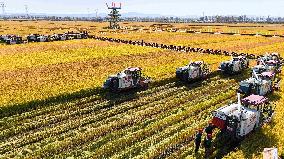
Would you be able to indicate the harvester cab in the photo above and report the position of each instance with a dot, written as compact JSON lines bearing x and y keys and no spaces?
{"x":237,"y":120}
{"x":260,"y":84}
{"x":193,"y":71}
{"x":258,"y":69}
{"x":129,"y":78}
{"x":276,"y":57}
{"x":234,"y":66}
{"x":274,"y":66}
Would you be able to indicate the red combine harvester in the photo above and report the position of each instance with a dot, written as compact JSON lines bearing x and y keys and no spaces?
{"x":238,"y":120}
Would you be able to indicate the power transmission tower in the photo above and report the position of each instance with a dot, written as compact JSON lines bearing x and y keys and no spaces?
{"x":88,"y":9}
{"x":114,"y":16}
{"x":96,"y":13}
{"x":2,"y":4}
{"x":27,"y":11}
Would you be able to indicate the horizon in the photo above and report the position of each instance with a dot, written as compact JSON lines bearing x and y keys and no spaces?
{"x":179,"y":8}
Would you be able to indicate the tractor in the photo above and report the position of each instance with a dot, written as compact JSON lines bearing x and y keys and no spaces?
{"x":260,"y":84}
{"x":234,"y":66}
{"x":193,"y":71}
{"x":236,"y":121}
{"x":127,"y":79}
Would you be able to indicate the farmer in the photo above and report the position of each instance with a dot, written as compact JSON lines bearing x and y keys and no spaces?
{"x":209,"y":129}
{"x":198,"y":140}
{"x":207,"y":145}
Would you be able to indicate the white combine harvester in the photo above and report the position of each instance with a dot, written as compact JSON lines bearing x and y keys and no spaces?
{"x":127,"y":79}
{"x":236,"y":65}
{"x":14,"y":40}
{"x":193,"y":71}
{"x":271,"y":65}
{"x":32,"y":37}
{"x":272,"y":62}
{"x":42,"y":38}
{"x":238,"y":120}
{"x":37,"y":38}
{"x":260,"y":84}
{"x":273,"y":56}
{"x":59,"y":37}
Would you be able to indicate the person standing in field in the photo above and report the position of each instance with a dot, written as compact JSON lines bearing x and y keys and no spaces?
{"x":197,"y":140}
{"x":208,"y":145}
{"x":209,"y":129}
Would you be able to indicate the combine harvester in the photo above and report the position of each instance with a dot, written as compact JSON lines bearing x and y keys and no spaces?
{"x":14,"y":40}
{"x":238,"y":120}
{"x":272,"y":62}
{"x":58,"y":37}
{"x":264,"y":78}
{"x":127,"y":79}
{"x":33,"y":37}
{"x":73,"y":35}
{"x":193,"y":71}
{"x":11,"y":39}
{"x":273,"y":56}
{"x":260,"y":84}
{"x":235,"y":66}
{"x":38,"y":38}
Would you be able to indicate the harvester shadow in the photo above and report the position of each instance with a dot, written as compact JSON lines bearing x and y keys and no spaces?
{"x":113,"y":98}
{"x":9,"y":110}
{"x":252,"y":144}
{"x":237,"y":77}
{"x":274,"y":97}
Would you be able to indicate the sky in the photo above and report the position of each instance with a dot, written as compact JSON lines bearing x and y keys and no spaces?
{"x":162,"y":7}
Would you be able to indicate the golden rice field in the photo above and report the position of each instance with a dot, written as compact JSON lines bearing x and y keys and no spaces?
{"x":52,"y":105}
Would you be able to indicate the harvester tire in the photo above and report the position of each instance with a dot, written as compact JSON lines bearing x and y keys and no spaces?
{"x":185,"y":76}
{"x":114,"y":85}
